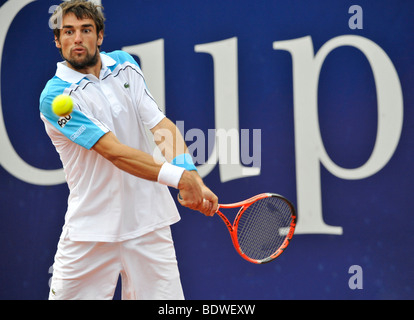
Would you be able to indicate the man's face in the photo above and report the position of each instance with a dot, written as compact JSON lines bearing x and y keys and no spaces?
{"x":79,"y":42}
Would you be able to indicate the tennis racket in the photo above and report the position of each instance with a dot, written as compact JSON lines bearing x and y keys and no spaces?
{"x":263,"y":227}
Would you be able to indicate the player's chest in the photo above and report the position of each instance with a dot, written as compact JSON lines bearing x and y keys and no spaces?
{"x":109,"y":100}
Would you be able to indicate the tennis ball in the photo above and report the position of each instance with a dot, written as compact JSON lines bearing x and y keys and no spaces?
{"x":62,"y":105}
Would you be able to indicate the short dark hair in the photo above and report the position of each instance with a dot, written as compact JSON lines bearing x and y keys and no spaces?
{"x":81,"y":9}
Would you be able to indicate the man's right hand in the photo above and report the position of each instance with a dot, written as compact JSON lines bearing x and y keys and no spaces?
{"x":195,"y":195}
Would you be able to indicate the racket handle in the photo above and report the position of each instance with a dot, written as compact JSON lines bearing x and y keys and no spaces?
{"x":181,"y":198}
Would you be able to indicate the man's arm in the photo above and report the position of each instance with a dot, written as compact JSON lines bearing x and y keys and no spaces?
{"x":133,"y":161}
{"x":143,"y":165}
{"x":171,"y":143}
{"x":169,"y":139}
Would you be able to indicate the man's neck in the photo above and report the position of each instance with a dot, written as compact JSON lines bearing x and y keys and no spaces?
{"x":95,"y":70}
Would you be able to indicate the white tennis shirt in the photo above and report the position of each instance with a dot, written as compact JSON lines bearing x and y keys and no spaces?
{"x":106,"y":203}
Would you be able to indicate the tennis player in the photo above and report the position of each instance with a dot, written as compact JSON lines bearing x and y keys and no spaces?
{"x":119,"y":208}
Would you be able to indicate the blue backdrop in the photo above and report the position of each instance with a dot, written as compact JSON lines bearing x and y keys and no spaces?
{"x":330,"y":90}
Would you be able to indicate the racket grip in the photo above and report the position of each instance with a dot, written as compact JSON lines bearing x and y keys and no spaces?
{"x":181,"y":198}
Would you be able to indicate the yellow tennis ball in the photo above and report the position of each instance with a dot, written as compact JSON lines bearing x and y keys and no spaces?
{"x":62,"y":105}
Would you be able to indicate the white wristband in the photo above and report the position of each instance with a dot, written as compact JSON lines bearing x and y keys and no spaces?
{"x":170,"y":175}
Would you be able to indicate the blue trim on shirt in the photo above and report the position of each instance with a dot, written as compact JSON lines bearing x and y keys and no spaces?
{"x":120,"y":57}
{"x":77,"y":127}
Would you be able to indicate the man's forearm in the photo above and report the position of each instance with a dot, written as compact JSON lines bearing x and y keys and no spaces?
{"x":169,"y":139}
{"x":133,"y":161}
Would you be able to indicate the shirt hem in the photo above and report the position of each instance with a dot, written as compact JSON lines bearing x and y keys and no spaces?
{"x":74,"y":236}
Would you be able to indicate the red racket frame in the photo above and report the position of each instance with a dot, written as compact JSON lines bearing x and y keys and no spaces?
{"x":243,"y":206}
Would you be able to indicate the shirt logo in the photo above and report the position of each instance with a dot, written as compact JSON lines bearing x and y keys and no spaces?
{"x":74,"y":136}
{"x":64,"y":120}
{"x":126,"y":85}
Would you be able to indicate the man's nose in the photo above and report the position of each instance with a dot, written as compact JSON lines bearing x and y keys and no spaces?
{"x":78,"y":37}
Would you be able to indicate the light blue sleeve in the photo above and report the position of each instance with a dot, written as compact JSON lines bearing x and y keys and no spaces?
{"x":77,"y":126}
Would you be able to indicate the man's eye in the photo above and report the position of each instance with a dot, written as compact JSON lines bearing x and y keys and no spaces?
{"x":86,"y":30}
{"x":69,"y":32}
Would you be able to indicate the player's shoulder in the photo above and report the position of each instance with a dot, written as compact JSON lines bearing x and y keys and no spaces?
{"x":121,"y":57}
{"x":53,"y":88}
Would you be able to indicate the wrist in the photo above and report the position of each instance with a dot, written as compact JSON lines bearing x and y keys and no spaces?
{"x":170,"y":175}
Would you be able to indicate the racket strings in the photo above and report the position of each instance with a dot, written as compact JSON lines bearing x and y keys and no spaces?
{"x":260,"y":229}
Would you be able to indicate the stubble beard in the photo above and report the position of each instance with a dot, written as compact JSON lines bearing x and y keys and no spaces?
{"x":88,"y":61}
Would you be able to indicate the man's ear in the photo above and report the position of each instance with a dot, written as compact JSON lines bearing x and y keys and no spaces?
{"x":100,"y":38}
{"x":57,"y":43}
